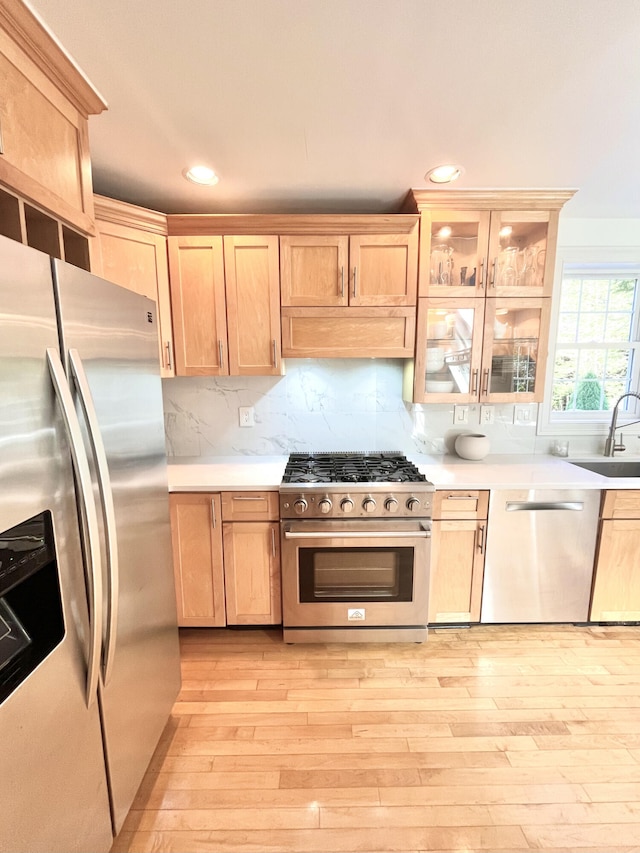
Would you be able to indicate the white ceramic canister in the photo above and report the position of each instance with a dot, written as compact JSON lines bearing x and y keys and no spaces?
{"x":472,"y":446}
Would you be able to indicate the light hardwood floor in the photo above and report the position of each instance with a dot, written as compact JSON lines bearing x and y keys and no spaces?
{"x":481,"y":739}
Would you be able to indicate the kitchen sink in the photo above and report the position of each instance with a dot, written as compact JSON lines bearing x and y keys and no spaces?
{"x":613,"y":468}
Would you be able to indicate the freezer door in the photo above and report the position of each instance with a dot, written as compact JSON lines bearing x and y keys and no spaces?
{"x":540,"y":554}
{"x":110,"y":346}
{"x":53,"y":785}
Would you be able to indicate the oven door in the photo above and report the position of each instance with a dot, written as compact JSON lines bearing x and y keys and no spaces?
{"x":356,"y":573}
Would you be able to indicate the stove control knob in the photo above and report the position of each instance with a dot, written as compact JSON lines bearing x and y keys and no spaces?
{"x":368,"y":505}
{"x":300,"y":505}
{"x":391,"y":505}
{"x":346,"y":505}
{"x":324,"y":505}
{"x":413,"y":504}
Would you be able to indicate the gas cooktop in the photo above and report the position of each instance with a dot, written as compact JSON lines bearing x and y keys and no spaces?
{"x":320,"y":468}
{"x":358,"y":485}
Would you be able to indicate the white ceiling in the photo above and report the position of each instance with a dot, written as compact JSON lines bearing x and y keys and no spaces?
{"x":343,"y":105}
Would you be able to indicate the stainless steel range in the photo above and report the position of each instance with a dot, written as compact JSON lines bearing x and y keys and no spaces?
{"x":355,"y":530}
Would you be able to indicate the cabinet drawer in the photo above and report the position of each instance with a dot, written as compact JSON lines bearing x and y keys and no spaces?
{"x":460,"y":504}
{"x":622,"y":503}
{"x":250,"y":506}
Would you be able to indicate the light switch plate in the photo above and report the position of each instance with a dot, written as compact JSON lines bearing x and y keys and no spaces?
{"x":460,"y":415}
{"x":524,"y":414}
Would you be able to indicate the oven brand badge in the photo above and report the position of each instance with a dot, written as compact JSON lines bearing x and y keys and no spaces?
{"x":355,"y":614}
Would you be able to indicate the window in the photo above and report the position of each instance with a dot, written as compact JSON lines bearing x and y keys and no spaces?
{"x":597,"y":345}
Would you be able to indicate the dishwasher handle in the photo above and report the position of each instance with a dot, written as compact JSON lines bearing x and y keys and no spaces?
{"x":535,"y":506}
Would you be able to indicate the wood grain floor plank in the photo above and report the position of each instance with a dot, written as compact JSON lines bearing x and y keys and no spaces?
{"x":204,"y":798}
{"x":171,"y":820}
{"x":341,"y":817}
{"x":485,"y":715}
{"x":564,"y":757}
{"x":248,"y":719}
{"x":600,"y":837}
{"x":159,"y":783}
{"x":511,"y":728}
{"x":359,"y":760}
{"x":541,"y":814}
{"x":514,"y":743}
{"x":481,"y":794}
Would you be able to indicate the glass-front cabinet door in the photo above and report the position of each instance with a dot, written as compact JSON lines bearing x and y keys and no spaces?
{"x":448,"y":350}
{"x":455,"y":243}
{"x":514,"y":350}
{"x":519,"y":261}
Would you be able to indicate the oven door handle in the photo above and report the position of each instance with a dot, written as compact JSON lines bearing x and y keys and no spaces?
{"x":360,"y":534}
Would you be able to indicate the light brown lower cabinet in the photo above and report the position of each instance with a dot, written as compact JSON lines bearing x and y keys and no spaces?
{"x":226,"y":556}
{"x":252,"y":572}
{"x":616,"y":586}
{"x":457,"y":556}
{"x":196,"y":532}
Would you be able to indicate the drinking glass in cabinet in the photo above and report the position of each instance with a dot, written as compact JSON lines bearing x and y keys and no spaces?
{"x":507,"y":273}
{"x":442,"y":265}
{"x":454,"y":252}
{"x":521,"y":255}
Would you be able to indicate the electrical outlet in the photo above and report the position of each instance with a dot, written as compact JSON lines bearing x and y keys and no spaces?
{"x":487,"y":415}
{"x":247,"y":416}
{"x":461,"y":415}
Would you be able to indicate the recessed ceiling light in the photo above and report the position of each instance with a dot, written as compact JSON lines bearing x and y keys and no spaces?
{"x":202,"y":175}
{"x":444,"y":174}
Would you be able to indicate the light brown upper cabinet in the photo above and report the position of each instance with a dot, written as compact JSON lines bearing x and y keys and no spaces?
{"x":130,"y":249}
{"x":487,"y":242}
{"x":486,"y":274}
{"x":479,"y":350}
{"x":225,"y":305}
{"x":253,"y":305}
{"x":361,"y":270}
{"x":46,"y":195}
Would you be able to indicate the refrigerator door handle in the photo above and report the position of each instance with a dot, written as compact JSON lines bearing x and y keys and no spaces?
{"x":92,"y":546}
{"x":108,"y":509}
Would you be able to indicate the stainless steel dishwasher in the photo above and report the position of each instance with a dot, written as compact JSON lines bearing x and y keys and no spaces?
{"x":540,"y":554}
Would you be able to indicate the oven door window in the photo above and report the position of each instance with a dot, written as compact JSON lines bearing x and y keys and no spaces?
{"x":355,"y":574}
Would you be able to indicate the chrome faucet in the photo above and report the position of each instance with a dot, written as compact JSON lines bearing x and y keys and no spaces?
{"x":610,"y":446}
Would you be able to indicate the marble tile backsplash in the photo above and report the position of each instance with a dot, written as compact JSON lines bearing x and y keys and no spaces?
{"x":330,"y":404}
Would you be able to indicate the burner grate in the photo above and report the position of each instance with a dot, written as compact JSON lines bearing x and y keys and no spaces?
{"x":392,"y":467}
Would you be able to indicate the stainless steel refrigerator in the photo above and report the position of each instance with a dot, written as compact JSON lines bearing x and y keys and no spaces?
{"x":89,"y":663}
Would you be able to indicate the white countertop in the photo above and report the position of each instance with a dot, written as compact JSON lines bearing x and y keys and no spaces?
{"x":500,"y":471}
{"x":226,"y":473}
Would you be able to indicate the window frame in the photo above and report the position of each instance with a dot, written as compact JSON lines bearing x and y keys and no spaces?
{"x":609,"y":263}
